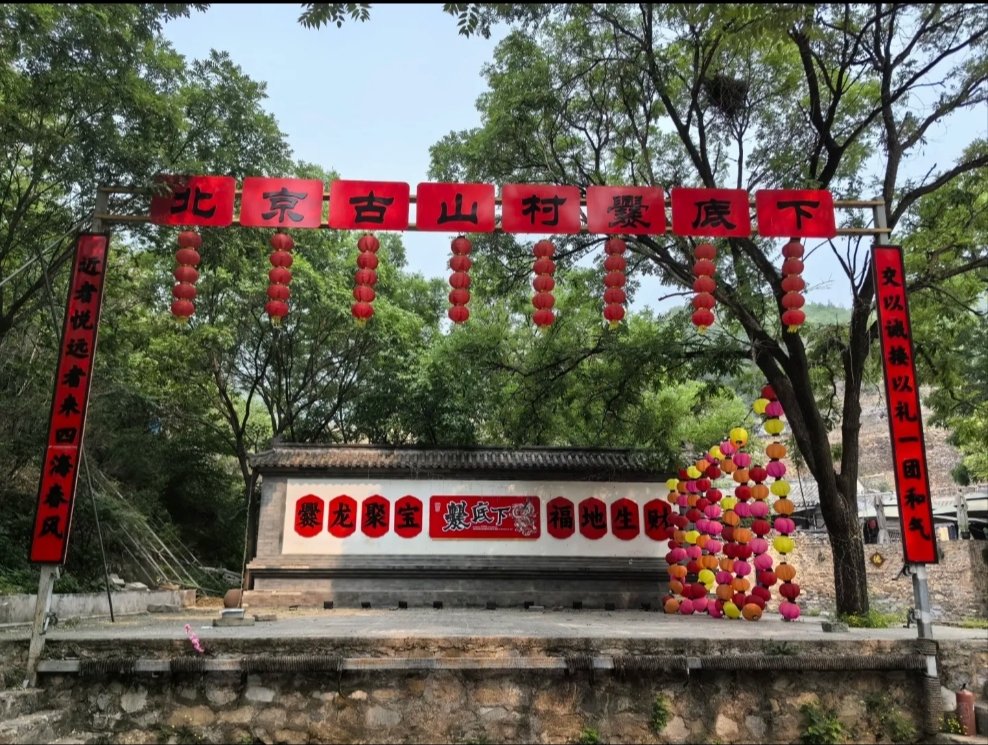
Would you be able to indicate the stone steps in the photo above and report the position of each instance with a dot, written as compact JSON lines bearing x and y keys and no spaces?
{"x":37,"y":727}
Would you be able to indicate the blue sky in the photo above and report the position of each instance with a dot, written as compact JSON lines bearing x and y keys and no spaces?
{"x":368,"y":100}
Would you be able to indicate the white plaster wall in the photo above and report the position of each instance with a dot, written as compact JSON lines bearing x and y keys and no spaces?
{"x":392,"y":544}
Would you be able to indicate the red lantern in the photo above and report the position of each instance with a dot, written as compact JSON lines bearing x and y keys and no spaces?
{"x":704,"y":286}
{"x":460,"y":264}
{"x":793,"y":285}
{"x":365,"y":278}
{"x":280,"y":277}
{"x":614,"y":280}
{"x":187,"y":258}
{"x":543,"y":268}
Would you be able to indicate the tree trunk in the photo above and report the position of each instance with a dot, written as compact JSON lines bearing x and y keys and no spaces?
{"x":847,"y":545}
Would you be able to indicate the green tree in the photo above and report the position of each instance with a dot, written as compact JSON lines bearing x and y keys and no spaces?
{"x":753,"y":97}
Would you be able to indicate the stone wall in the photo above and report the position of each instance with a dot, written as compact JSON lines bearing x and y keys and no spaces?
{"x":477,"y":707}
{"x":958,"y":583}
{"x":734,"y":700}
{"x":20,"y":608}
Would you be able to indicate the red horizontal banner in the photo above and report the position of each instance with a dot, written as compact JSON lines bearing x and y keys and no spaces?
{"x":470,"y":208}
{"x":912,"y":484}
{"x":369,"y":205}
{"x":626,"y":210}
{"x":194,"y":200}
{"x":60,"y":471}
{"x":484,"y":517}
{"x":795,"y":213}
{"x":711,"y":213}
{"x":281,"y":203}
{"x":459,"y":208}
{"x":537,"y":208}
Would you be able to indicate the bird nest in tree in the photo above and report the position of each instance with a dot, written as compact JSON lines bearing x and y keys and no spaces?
{"x":726,"y":93}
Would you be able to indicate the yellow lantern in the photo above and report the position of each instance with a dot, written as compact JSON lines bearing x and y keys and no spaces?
{"x":780,"y":488}
{"x":706,"y":577}
{"x":692,"y":535}
{"x":774,"y":426}
{"x":783,"y":544}
{"x":693,"y":472}
{"x":739,"y":436}
{"x":715,"y":453}
{"x":728,"y":503}
{"x":759,"y":405}
{"x":730,"y":610}
{"x":672,"y":484}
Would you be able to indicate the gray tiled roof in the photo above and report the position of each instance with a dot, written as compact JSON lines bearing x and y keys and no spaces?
{"x":546,"y":462}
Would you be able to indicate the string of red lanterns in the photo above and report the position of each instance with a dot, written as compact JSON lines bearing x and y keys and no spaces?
{"x":187,"y":257}
{"x":543,"y":284}
{"x":365,"y":278}
{"x":614,"y":281}
{"x":704,"y":286}
{"x":460,"y":263}
{"x":793,"y":285}
{"x":280,"y":277}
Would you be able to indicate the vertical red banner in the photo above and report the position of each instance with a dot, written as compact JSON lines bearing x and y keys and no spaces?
{"x":912,"y":483}
{"x":60,"y":470}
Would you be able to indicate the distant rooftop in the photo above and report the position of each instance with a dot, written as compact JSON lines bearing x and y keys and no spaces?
{"x":541,"y":463}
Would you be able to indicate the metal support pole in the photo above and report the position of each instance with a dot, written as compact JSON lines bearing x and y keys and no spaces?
{"x":921,"y":596}
{"x":42,"y":609}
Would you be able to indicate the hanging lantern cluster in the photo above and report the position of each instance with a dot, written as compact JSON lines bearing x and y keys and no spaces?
{"x":676,"y":557}
{"x":186,"y":275}
{"x":770,"y":408}
{"x":709,"y":528}
{"x":280,"y":277}
{"x":614,"y":281}
{"x":761,"y":593}
{"x":704,"y":286}
{"x":731,"y":519}
{"x":543,"y":284}
{"x":793,"y":285}
{"x":459,"y":280}
{"x":365,"y":278}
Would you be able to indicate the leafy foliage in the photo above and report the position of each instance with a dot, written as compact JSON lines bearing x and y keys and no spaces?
{"x":822,"y":727}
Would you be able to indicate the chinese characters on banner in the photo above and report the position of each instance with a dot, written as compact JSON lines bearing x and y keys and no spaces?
{"x":481,"y":517}
{"x":60,"y":471}
{"x":912,"y":483}
{"x":484,"y":517}
{"x":470,"y":208}
{"x":795,"y":213}
{"x":205,"y":201}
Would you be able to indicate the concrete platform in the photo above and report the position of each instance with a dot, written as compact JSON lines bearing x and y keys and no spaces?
{"x":458,"y":623}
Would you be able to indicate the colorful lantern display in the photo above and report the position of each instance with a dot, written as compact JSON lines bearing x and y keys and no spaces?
{"x":459,"y":280}
{"x":543,"y":284}
{"x":784,"y":526}
{"x":704,"y":286}
{"x":186,"y":275}
{"x":280,"y":276}
{"x":365,"y":278}
{"x":614,"y":281}
{"x":793,"y":285}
